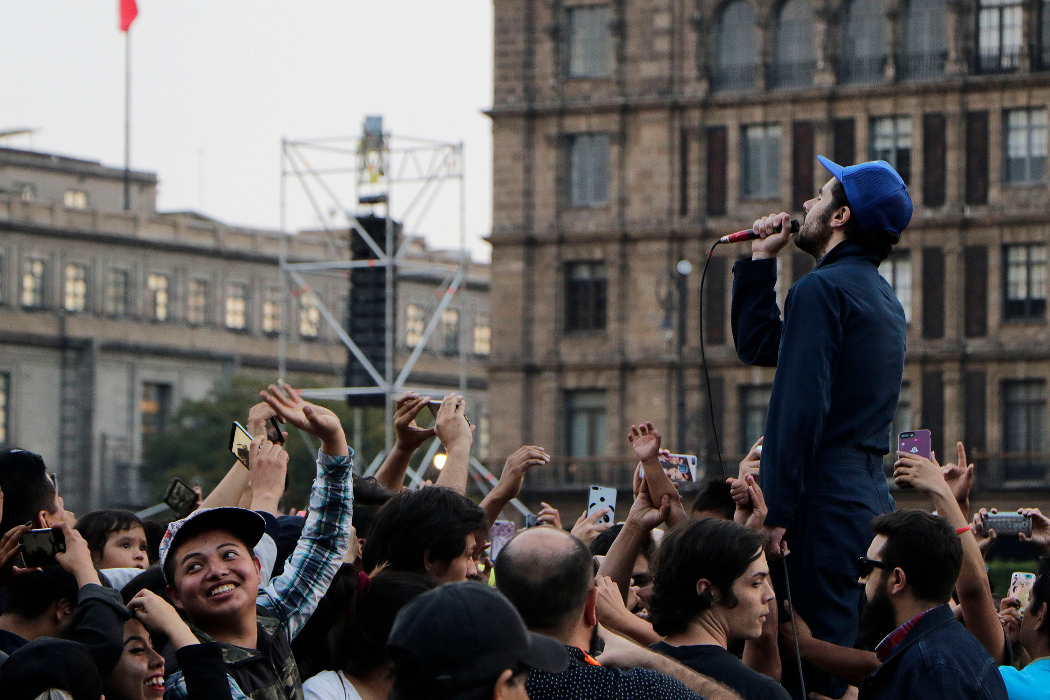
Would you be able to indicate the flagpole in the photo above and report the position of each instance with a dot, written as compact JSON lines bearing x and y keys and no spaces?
{"x":127,"y":119}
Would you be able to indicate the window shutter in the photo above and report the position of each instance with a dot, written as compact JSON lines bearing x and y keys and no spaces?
{"x":975,"y":399}
{"x":717,"y":155}
{"x":715,"y":302}
{"x":933,"y":407}
{"x":932,"y":293}
{"x":844,"y":144}
{"x":975,"y":290}
{"x":934,"y":159}
{"x":802,"y":159}
{"x":977,"y":157}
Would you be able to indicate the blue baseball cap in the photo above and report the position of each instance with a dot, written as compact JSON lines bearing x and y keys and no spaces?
{"x":877,"y":196}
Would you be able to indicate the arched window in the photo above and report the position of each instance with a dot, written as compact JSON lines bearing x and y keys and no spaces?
{"x":924,"y":49}
{"x":794,"y":55}
{"x":863,"y":42}
{"x":736,"y":48}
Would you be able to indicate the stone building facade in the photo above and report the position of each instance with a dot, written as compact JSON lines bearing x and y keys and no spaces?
{"x":109,"y":318}
{"x":630,"y":134}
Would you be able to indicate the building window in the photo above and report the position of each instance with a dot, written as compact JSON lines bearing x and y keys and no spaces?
{"x":736,"y":48}
{"x":415,"y":324}
{"x":197,"y":302}
{"x":155,"y":407}
{"x":482,"y":335}
{"x":754,"y":405}
{"x":3,"y":279}
{"x":5,"y":416}
{"x":309,"y":316}
{"x":158,"y":297}
{"x":587,"y":429}
{"x":1025,"y":272}
{"x":863,"y":42}
{"x":76,"y":288}
{"x":1024,"y":430}
{"x":1044,"y":34}
{"x":794,"y":52}
{"x":890,"y":140}
{"x":33,"y":277}
{"x":587,"y":163}
{"x":925,"y":48}
{"x":760,"y":155}
{"x":118,"y":287}
{"x":897,"y":271}
{"x":589,"y":41}
{"x":1024,"y":158}
{"x":271,"y":311}
{"x":236,"y":306}
{"x":450,"y":331}
{"x":75,"y":199}
{"x":999,"y":30}
{"x":585,"y":290}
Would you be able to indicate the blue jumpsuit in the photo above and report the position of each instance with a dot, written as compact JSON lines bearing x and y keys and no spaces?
{"x":839,"y":354}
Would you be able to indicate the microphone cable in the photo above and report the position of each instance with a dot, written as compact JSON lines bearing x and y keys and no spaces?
{"x":721,"y":465}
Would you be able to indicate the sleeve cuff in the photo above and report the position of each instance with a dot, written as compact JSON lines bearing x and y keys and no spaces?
{"x":748,"y":270}
{"x":335,"y":466}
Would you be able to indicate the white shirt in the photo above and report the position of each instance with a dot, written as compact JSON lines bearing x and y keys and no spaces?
{"x":329,"y":685}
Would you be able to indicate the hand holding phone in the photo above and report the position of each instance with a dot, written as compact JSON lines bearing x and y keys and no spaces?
{"x":39,"y":547}
{"x":916,"y":442}
{"x":602,"y":497}
{"x":1021,"y":583}
{"x":240,"y":441}
{"x":1010,"y":524}
{"x":180,"y":498}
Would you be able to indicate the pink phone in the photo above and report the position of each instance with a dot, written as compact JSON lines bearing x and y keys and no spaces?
{"x":916,"y":442}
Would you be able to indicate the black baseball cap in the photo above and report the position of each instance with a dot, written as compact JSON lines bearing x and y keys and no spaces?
{"x":465,"y":634}
{"x":46,"y":664}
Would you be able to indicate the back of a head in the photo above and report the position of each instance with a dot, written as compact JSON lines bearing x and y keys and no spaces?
{"x":546,"y":573}
{"x":47,"y":666}
{"x":31,"y":595}
{"x":27,"y":488}
{"x":97,"y":526}
{"x":1041,"y":591}
{"x":361,"y":645}
{"x":715,"y":498}
{"x":926,"y":547}
{"x":717,"y":550}
{"x":437,"y":519}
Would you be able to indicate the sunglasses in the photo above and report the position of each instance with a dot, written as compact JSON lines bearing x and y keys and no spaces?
{"x":865,"y":566}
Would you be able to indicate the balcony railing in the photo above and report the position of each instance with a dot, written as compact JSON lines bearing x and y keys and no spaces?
{"x":870,"y":69}
{"x":734,"y":78}
{"x":792,"y":75}
{"x":922,"y":66}
{"x":999,"y":61}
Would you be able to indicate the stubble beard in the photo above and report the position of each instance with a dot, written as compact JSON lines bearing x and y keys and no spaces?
{"x":814,"y":235}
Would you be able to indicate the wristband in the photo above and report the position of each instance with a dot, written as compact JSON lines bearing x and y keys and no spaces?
{"x":961,"y":530}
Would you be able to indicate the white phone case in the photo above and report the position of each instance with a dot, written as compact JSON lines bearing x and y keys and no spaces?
{"x":602,"y":497}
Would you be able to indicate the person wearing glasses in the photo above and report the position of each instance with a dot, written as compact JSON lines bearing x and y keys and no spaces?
{"x":908,"y":574}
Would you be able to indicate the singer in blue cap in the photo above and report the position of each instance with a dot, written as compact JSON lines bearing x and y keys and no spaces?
{"x":839,"y":353}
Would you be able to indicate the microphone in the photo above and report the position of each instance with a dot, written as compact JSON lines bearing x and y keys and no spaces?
{"x":751,"y":235}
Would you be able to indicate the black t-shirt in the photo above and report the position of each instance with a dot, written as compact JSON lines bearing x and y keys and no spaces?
{"x":715,"y":662}
{"x":584,"y":681}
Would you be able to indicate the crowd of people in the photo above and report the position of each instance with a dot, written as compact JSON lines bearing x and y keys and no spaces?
{"x":383,"y":591}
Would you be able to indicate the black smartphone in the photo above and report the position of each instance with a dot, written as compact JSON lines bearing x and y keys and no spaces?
{"x":435,"y":405}
{"x":41,"y":546}
{"x":180,"y":498}
{"x":240,"y":440}
{"x":1007,"y":524}
{"x":273,"y":431}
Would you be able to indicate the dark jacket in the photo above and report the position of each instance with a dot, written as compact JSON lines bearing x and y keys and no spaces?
{"x":839,"y":353}
{"x":939,"y":658}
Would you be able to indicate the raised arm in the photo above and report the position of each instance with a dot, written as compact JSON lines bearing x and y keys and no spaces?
{"x":645,"y":440}
{"x":642,"y":519}
{"x":510,"y":481}
{"x":410,"y":437}
{"x":457,"y":435}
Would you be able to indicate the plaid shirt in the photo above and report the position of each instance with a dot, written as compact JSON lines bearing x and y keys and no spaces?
{"x":286,"y":603}
{"x":885,"y":648}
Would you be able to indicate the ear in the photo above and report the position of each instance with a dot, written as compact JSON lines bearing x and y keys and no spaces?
{"x":503,"y":688}
{"x":898,"y":581}
{"x":43,"y":520}
{"x":62,"y":608}
{"x":841,"y":217}
{"x":1041,"y":617}
{"x":258,"y":564}
{"x":705,"y":586}
{"x":428,"y":564}
{"x":590,"y":608}
{"x":173,"y":596}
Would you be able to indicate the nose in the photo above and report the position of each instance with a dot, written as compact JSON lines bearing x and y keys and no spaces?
{"x":769,"y":594}
{"x":156,"y":661}
{"x":808,"y":204}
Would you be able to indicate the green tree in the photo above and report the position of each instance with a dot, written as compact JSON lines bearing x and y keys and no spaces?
{"x":195,"y":445}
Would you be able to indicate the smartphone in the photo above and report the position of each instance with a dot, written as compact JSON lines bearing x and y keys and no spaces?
{"x":530,"y":521}
{"x":273,"y":431}
{"x":602,"y":497}
{"x":679,"y":467}
{"x":239,"y":442}
{"x":41,"y":546}
{"x":435,"y":405}
{"x":500,"y":534}
{"x":1007,"y":524}
{"x":180,"y":498}
{"x":1021,"y":583}
{"x":916,"y":442}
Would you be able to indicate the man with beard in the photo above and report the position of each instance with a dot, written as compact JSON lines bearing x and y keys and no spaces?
{"x":908,"y":575}
{"x":839,"y":351}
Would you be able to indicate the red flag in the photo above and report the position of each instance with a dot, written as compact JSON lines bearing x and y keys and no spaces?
{"x":129,"y":10}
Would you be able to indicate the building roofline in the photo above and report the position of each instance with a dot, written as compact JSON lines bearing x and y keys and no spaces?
{"x":17,"y":157}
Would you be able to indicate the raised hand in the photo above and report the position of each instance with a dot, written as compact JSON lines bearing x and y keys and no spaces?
{"x":159,"y":617}
{"x":751,"y":506}
{"x":77,"y":557}
{"x":267,"y":472}
{"x":645,"y":514}
{"x":752,"y":461}
{"x":645,"y":440}
{"x":318,"y":421}
{"x":925,"y":475}
{"x":10,"y":548}
{"x":409,"y":435}
{"x":587,"y":527}
{"x":549,"y":515}
{"x":257,"y":417}
{"x":1010,"y":616}
{"x":451,"y":424}
{"x":520,"y":461}
{"x":1040,"y":527}
{"x":985,"y":538}
{"x":959,"y":477}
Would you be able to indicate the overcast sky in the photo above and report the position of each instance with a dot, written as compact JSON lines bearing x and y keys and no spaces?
{"x":216,"y":84}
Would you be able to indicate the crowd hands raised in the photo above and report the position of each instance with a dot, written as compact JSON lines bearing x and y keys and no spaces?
{"x":381,"y":589}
